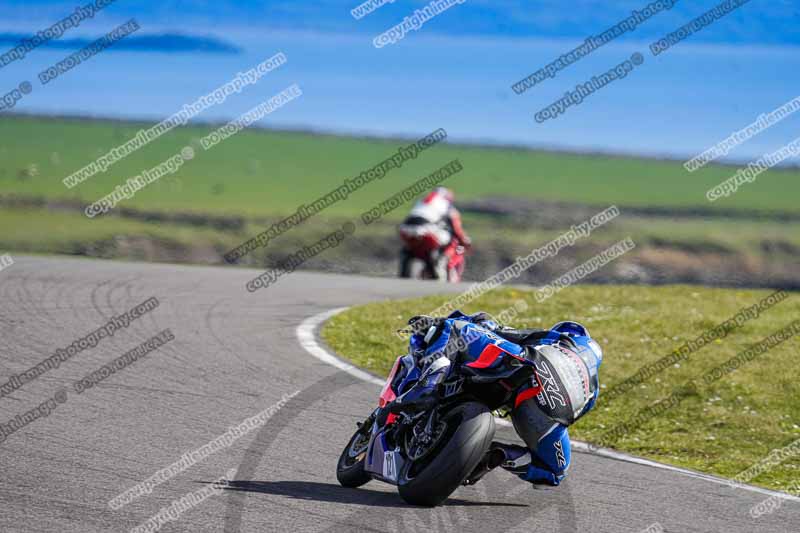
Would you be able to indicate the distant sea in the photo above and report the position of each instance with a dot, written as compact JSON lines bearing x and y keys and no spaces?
{"x":674,"y":105}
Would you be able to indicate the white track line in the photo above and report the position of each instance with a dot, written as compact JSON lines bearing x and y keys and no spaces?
{"x":306,"y":334}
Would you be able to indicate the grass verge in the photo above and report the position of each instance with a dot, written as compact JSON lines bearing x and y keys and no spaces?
{"x":266,"y":173}
{"x":722,"y":429}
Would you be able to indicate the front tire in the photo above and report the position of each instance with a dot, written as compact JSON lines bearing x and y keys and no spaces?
{"x":350,"y":468}
{"x":453,"y":275}
{"x":468,"y":436}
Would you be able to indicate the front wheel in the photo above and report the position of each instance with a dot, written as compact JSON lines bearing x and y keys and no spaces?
{"x":461,"y":439}
{"x":453,"y":275}
{"x":350,"y":468}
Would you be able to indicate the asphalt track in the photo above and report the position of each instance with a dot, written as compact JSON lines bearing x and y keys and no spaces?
{"x":234,"y":355}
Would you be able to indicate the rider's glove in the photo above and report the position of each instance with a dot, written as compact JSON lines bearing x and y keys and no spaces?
{"x":421,"y":323}
{"x":416,"y":345}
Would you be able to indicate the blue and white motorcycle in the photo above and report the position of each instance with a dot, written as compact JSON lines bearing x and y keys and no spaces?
{"x":434,"y":421}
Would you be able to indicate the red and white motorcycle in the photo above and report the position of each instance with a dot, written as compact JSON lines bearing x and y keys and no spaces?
{"x":423,"y":258}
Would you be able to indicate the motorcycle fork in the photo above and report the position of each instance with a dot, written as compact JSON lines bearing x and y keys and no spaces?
{"x":432,"y":420}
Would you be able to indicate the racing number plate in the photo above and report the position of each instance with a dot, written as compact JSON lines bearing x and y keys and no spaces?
{"x":389,"y":466}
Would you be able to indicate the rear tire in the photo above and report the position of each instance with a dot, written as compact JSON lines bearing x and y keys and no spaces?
{"x":416,"y":268}
{"x":455,"y":459}
{"x":350,"y":472}
{"x":405,"y":265}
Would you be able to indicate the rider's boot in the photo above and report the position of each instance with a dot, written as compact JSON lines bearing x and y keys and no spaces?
{"x":520,"y":461}
{"x":494,"y":457}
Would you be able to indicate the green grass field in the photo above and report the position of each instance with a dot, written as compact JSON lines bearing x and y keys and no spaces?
{"x":722,"y":429}
{"x":266,"y":173}
{"x":259,"y":176}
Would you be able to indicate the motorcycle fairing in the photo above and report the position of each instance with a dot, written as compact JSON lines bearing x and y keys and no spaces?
{"x":403,"y":375}
{"x":382,"y":462}
{"x":387,"y":394}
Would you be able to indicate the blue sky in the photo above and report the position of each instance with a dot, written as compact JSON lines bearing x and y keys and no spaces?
{"x":455,"y":72}
{"x":758,"y":22}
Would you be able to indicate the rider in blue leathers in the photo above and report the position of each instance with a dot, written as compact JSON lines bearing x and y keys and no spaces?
{"x":565,"y":386}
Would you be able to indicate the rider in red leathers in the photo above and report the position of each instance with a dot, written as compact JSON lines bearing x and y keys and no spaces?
{"x":433,"y":223}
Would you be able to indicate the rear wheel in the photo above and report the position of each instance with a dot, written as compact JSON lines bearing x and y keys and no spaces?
{"x":405,"y":264}
{"x":411,"y":267}
{"x":459,"y":442}
{"x":416,"y":268}
{"x":350,"y":468}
